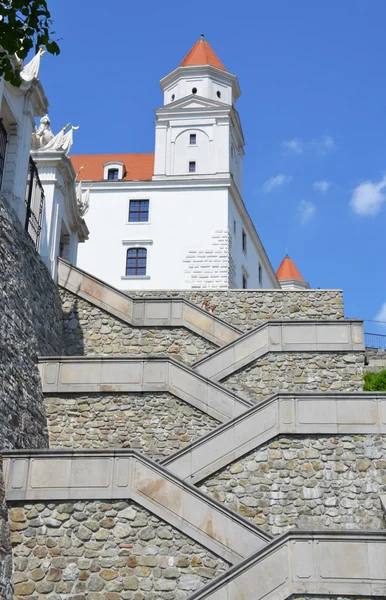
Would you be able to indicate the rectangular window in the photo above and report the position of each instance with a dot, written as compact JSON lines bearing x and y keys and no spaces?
{"x":193,"y":139}
{"x":3,"y":147}
{"x":244,"y":242}
{"x":136,"y":259}
{"x":234,"y":226}
{"x":260,"y":274}
{"x":245,"y":282}
{"x":192,"y":166}
{"x":112,"y":174}
{"x":139,"y":211}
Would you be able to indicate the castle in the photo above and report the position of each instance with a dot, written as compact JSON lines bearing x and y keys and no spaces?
{"x":156,"y":449}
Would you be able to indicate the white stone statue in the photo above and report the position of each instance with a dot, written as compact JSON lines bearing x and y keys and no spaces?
{"x":83,"y":200}
{"x":31,"y":71}
{"x":61,"y":141}
{"x":43,"y":134}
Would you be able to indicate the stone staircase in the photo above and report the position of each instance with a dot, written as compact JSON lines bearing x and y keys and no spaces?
{"x":111,"y":523}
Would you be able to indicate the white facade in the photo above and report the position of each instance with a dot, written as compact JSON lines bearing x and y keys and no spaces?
{"x":63,"y":227}
{"x":41,"y":191}
{"x":197,"y":233}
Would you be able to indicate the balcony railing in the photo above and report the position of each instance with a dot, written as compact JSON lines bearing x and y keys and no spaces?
{"x":375,"y":340}
{"x":34,"y":203}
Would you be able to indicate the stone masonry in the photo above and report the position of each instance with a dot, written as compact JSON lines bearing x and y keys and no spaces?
{"x":89,"y":331}
{"x":30,"y":324}
{"x":307,"y":482}
{"x":248,"y":309}
{"x":156,"y":424}
{"x":296,"y":372}
{"x":104,"y":551}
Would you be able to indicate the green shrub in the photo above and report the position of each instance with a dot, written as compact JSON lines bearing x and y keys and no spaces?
{"x":375,"y":382}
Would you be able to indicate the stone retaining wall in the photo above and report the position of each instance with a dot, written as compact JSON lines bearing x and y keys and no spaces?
{"x":156,"y":424}
{"x":30,"y":324}
{"x":308,"y":482}
{"x":104,"y":551}
{"x":299,"y":371}
{"x":249,"y":308}
{"x":88,"y":331}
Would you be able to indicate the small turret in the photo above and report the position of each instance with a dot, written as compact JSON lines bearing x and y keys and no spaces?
{"x":289,"y":276}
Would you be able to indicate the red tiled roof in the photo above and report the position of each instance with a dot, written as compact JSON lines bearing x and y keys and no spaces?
{"x":202,"y":54}
{"x":137,"y":167}
{"x":288,"y":270}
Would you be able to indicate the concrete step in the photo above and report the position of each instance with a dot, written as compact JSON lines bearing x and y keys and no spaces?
{"x":145,"y":312}
{"x":282,"y":336}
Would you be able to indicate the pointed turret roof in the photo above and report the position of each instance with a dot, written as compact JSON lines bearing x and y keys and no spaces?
{"x":202,"y":54}
{"x":288,"y":270}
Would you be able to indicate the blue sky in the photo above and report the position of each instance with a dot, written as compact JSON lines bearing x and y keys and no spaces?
{"x":313,"y":110}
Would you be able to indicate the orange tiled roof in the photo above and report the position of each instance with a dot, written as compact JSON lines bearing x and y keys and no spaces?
{"x":288,"y":270}
{"x":202,"y":54}
{"x":137,"y":167}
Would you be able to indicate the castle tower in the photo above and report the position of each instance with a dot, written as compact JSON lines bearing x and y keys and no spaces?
{"x":198,"y":130}
{"x":289,"y":276}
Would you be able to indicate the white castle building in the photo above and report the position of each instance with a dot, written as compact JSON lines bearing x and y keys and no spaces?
{"x":176,"y":218}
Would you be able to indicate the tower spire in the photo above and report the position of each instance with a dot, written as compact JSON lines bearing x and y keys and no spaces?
{"x":202,"y":54}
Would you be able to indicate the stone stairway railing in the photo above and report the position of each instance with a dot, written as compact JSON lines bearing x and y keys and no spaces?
{"x":57,"y":475}
{"x":139,"y":374}
{"x":282,"y":336}
{"x":299,"y":563}
{"x":145,"y":312}
{"x":285,"y":413}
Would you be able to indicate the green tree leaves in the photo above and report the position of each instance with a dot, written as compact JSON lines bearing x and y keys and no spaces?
{"x":24,"y":24}
{"x":375,"y":382}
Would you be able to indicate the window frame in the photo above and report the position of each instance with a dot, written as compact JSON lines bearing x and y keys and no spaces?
{"x":192,"y":135}
{"x":136,"y":250}
{"x":109,"y":166}
{"x":115,"y":171}
{"x":260,"y":274}
{"x":244,"y":281}
{"x":139,"y":200}
{"x":192,"y":162}
{"x":244,"y":244}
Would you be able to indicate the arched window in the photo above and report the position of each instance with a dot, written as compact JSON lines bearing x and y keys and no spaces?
{"x":136,"y":261}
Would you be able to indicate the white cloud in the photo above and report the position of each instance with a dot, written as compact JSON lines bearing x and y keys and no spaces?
{"x":321,"y":186}
{"x":324,"y":145}
{"x":368,"y":197}
{"x":320,"y":146}
{"x":306,"y":211}
{"x":276,"y":182}
{"x":381,"y":316}
{"x":294,"y":146}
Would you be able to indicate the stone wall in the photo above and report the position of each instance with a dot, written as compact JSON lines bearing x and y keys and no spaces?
{"x":249,"y":308}
{"x":104,"y":551}
{"x":88,"y":331}
{"x":308,"y":482}
{"x":156,"y":424}
{"x":30,"y":324}
{"x":299,"y":371}
{"x":375,"y":360}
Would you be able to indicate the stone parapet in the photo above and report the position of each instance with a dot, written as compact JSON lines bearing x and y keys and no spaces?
{"x":116,"y":475}
{"x":298,"y":414}
{"x":140,"y":374}
{"x":282,"y":336}
{"x":298,"y":563}
{"x":247,"y":309}
{"x":149,"y":312}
